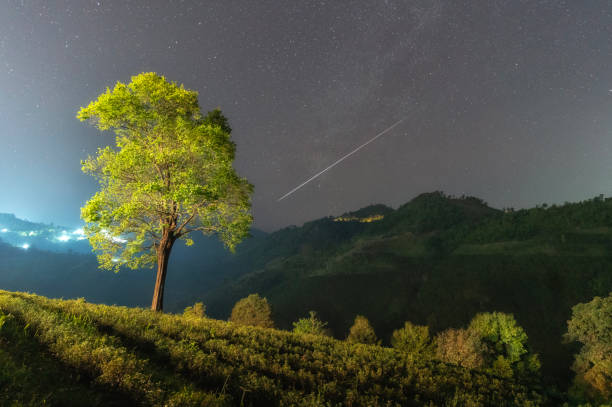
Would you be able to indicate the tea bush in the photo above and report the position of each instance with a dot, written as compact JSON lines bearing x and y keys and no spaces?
{"x":164,"y":359}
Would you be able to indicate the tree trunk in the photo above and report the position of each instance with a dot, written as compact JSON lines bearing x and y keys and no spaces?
{"x":163,"y":254}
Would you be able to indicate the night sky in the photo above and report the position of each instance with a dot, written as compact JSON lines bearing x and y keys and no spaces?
{"x":509,"y":101}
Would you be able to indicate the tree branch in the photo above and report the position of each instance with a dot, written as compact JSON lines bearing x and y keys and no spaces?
{"x":199,"y":229}
{"x":195,"y":212}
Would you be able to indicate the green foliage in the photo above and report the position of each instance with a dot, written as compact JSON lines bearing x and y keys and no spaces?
{"x":591,"y":325}
{"x":253,"y":310}
{"x":159,"y":359}
{"x":77,"y":341}
{"x":198,"y":310}
{"x":169,"y":174}
{"x":505,"y":342}
{"x":515,"y":262}
{"x":311,"y":325}
{"x":31,"y":376}
{"x":556,"y":223}
{"x":436,"y":247}
{"x":501,"y":367}
{"x":460,"y":347}
{"x":362,"y":332}
{"x":216,"y":118}
{"x":437,"y":211}
{"x":502,"y":333}
{"x":413,"y":339}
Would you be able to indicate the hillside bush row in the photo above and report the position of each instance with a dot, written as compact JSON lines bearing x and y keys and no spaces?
{"x":245,"y":365}
{"x":493,"y":342}
{"x":207,"y":358}
{"x":78,"y":343}
{"x":31,"y":377}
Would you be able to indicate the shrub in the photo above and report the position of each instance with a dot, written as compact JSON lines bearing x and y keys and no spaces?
{"x":591,"y":325}
{"x":252,"y":310}
{"x":198,"y":310}
{"x":311,"y":325}
{"x":505,"y":345}
{"x":460,"y":347}
{"x":362,"y":332}
{"x":413,"y":339}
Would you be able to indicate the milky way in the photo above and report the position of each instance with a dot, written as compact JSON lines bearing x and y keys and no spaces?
{"x":509,"y":100}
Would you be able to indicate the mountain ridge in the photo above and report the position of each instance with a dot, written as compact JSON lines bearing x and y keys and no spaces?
{"x":436,"y":260}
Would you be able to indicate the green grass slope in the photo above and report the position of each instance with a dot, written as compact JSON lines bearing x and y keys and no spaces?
{"x":63,"y":353}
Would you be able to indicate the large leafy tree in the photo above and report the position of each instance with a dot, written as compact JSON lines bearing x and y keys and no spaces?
{"x":169,"y":174}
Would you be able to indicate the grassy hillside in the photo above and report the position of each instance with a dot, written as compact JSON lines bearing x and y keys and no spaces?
{"x":64,"y":353}
{"x":437,"y":261}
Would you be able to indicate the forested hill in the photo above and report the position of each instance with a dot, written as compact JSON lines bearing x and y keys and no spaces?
{"x":437,"y":261}
{"x":426,"y":213}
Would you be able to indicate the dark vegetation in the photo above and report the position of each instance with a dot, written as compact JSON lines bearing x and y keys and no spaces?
{"x":437,"y":262}
{"x":591,"y":325}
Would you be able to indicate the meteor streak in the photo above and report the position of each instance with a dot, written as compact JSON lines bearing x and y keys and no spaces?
{"x":341,"y":159}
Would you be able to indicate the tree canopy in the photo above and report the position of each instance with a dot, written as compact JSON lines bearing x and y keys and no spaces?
{"x":253,"y":310}
{"x":591,"y":325}
{"x":506,"y":351}
{"x":413,"y":339}
{"x":460,"y":347}
{"x":311,"y":325}
{"x":362,"y":332}
{"x":169,"y":174}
